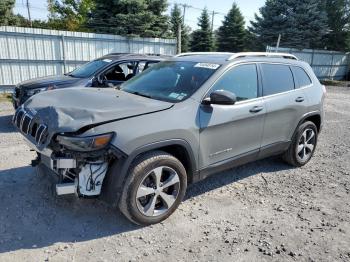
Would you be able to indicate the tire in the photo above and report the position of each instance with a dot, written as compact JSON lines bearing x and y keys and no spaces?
{"x":302,"y":140}
{"x":142,"y":191}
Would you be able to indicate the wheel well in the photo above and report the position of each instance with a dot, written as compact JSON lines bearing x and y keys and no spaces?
{"x":182,"y":155}
{"x":316,"y":119}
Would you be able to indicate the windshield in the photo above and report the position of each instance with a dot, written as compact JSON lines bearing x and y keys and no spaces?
{"x":90,"y":68}
{"x":170,"y":81}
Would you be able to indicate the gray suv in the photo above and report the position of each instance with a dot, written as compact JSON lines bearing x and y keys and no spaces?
{"x":139,"y":146}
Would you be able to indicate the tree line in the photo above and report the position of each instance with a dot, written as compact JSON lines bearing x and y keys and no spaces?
{"x":321,"y":24}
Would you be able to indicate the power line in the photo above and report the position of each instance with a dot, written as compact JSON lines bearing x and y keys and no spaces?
{"x":185,"y":7}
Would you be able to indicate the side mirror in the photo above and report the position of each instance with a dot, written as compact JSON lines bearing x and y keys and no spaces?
{"x":220,"y":97}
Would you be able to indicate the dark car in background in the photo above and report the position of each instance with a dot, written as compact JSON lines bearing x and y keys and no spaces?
{"x":112,"y":69}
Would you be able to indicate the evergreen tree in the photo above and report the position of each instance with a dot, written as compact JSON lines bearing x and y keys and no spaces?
{"x":202,"y":39}
{"x":176,"y":21}
{"x":130,"y":17}
{"x":338,"y":15}
{"x":253,"y":44}
{"x":231,"y":36}
{"x":6,"y":13}
{"x":302,"y":23}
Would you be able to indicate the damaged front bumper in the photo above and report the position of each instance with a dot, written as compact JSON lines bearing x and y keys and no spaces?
{"x":77,"y":173}
{"x":83,"y":177}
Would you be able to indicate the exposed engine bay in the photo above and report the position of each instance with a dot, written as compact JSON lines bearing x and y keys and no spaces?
{"x":83,"y":177}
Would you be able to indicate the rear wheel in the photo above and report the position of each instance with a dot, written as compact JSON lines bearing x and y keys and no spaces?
{"x":156,"y":186}
{"x":303,"y":145}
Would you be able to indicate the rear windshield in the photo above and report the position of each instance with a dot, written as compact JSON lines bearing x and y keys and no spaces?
{"x":170,"y":81}
{"x":90,"y":68}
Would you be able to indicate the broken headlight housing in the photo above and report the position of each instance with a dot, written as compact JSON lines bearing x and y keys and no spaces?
{"x":83,"y":144}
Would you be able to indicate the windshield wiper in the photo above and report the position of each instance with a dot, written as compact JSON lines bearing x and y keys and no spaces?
{"x":140,"y":94}
{"x":69,"y":74}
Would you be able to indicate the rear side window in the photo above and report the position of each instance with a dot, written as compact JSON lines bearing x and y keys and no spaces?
{"x":241,"y":80}
{"x":301,"y":77}
{"x":277,"y":79}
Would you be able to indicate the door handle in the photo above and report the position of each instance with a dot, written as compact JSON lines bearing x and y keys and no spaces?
{"x":256,"y":109}
{"x":299,"y":99}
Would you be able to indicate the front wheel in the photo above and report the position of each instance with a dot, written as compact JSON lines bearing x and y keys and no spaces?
{"x":154,"y":189}
{"x":303,"y":145}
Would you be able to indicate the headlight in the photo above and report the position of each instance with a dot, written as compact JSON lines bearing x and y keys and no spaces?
{"x":32,"y":92}
{"x":89,"y":143}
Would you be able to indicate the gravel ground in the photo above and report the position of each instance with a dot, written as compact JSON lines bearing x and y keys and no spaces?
{"x":259,"y":212}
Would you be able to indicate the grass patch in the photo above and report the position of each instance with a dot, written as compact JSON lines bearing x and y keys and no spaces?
{"x":335,"y":83}
{"x":5,"y":97}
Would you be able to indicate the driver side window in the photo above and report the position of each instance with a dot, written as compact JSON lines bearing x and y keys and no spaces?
{"x":120,"y":72}
{"x":241,"y":80}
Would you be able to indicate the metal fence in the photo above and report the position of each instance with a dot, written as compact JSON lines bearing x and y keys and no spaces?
{"x":27,"y":53}
{"x":326,"y":64}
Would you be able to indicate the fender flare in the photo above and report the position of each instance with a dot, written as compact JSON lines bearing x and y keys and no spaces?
{"x":117,"y":174}
{"x":305,"y":116}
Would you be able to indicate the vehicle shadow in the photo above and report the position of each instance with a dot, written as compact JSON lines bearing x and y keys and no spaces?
{"x":6,"y":124}
{"x":32,"y":217}
{"x":266,"y":166}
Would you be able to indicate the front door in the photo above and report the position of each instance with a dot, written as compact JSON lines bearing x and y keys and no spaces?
{"x":118,"y":74}
{"x":229,"y":132}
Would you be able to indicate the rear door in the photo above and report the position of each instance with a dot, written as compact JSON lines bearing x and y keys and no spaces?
{"x":285,"y":104}
{"x":233,"y":131}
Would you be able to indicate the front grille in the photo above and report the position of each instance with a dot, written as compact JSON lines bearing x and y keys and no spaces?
{"x":24,"y":122}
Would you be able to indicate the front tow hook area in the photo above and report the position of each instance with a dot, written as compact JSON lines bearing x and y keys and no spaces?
{"x":65,"y":189}
{"x":35,"y":162}
{"x":82,"y":178}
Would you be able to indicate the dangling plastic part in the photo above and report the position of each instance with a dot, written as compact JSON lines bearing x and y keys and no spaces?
{"x":91,"y":178}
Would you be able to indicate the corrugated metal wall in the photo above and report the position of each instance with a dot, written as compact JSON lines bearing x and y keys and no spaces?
{"x":326,"y":64}
{"x":27,"y":53}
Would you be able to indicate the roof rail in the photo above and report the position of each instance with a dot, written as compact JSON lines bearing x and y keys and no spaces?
{"x":203,"y":53}
{"x":245,"y":54}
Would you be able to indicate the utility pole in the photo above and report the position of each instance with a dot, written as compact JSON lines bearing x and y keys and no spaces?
{"x":184,"y":11}
{"x":29,"y":17}
{"x":278,"y":42}
{"x":212,"y":21}
{"x":179,"y":38}
{"x":179,"y":27}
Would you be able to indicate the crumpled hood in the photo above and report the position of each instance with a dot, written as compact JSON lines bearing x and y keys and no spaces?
{"x":68,"y":110}
{"x":61,"y":80}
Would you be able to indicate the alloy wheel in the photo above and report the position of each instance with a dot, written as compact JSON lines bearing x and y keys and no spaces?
{"x":158,"y":191}
{"x":306,"y":145}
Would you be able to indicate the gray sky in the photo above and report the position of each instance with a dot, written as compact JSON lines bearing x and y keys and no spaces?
{"x":248,"y":8}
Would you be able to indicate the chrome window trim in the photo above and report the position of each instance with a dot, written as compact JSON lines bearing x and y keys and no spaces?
{"x":262,"y":96}
{"x":229,"y":68}
{"x":289,"y":91}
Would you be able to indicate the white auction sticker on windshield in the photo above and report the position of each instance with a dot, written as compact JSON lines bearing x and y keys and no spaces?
{"x":207,"y":65}
{"x":174,"y":95}
{"x":107,"y":60}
